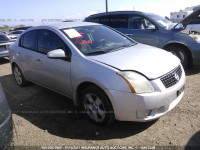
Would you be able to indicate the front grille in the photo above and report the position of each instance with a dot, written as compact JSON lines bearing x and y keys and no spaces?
{"x":172,"y":77}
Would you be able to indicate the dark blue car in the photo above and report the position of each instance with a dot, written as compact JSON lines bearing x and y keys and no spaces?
{"x":6,"y":124}
{"x":154,"y":30}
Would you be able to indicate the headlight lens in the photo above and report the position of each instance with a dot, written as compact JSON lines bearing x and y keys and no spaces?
{"x":136,"y":82}
{"x":195,"y":37}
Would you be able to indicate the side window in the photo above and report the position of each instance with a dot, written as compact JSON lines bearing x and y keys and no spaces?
{"x":28,"y":40}
{"x":48,"y":41}
{"x":114,"y":21}
{"x":138,"y":22}
{"x":196,"y":21}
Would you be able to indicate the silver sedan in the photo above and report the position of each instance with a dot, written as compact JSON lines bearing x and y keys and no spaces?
{"x":107,"y":74}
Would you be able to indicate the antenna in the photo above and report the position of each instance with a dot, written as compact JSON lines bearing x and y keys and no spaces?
{"x":106,"y":5}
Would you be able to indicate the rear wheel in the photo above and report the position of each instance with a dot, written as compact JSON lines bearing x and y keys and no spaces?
{"x":19,"y":77}
{"x":180,"y":53}
{"x":97,"y":106}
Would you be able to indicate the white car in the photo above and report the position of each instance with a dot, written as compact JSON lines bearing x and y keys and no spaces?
{"x":14,"y":34}
{"x":107,"y":74}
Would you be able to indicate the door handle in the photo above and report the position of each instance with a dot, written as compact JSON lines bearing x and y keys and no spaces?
{"x":128,"y":34}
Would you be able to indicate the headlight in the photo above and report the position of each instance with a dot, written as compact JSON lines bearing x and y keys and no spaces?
{"x":136,"y":82}
{"x":195,"y":37}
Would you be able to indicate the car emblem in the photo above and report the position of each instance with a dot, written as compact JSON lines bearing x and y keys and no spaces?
{"x":176,"y":76}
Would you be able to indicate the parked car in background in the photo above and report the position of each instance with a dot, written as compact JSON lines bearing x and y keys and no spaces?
{"x":5,"y":42}
{"x":194,"y":26}
{"x":4,"y":32}
{"x":154,"y":30}
{"x":14,"y":34}
{"x":12,"y":37}
{"x":6,"y":125}
{"x":107,"y":74}
{"x":21,"y":28}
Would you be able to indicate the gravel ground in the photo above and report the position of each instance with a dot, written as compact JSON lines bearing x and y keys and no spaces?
{"x":44,"y":118}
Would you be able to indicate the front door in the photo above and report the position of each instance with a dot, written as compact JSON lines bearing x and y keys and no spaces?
{"x":52,"y":73}
{"x":142,"y":30}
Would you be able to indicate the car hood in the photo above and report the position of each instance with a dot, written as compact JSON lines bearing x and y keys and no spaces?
{"x":191,"y":17}
{"x":150,"y":61}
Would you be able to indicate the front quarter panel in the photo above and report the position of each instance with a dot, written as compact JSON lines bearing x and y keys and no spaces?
{"x":104,"y":76}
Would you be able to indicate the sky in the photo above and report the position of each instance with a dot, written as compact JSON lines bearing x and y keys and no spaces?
{"x":37,"y":12}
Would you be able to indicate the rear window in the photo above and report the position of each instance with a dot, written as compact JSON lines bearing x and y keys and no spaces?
{"x":28,"y":40}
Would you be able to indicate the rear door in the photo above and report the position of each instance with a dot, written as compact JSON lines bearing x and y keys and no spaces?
{"x":26,"y":53}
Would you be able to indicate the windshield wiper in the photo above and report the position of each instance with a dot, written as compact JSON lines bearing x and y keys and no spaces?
{"x":96,"y":52}
{"x":121,"y":47}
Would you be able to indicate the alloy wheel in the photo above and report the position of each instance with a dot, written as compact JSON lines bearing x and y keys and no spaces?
{"x":94,"y":107}
{"x":18,"y":75}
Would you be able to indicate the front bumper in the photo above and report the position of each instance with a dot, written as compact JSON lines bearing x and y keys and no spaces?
{"x":6,"y":132}
{"x":148,"y":106}
{"x":4,"y":53}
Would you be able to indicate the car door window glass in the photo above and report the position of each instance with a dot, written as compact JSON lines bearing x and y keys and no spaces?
{"x":29,"y":40}
{"x":115,"y":21}
{"x":138,"y":22}
{"x":49,"y":41}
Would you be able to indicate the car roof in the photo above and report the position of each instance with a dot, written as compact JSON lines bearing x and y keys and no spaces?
{"x":116,"y":13}
{"x":64,"y":25}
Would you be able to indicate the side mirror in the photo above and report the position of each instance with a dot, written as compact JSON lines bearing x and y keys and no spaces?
{"x":56,"y":54}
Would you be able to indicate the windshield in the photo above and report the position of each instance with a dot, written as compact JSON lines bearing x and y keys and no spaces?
{"x":96,"y":39}
{"x":162,"y":21}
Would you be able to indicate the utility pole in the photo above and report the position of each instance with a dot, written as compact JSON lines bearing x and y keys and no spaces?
{"x":106,"y":5}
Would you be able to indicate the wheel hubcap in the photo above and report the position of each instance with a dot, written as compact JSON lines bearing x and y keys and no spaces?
{"x":94,"y":107}
{"x":18,"y":76}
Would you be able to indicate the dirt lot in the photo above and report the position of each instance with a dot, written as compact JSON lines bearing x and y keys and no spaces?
{"x":44,"y":118}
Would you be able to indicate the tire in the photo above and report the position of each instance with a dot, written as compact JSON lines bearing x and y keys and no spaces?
{"x":97,"y":106}
{"x":180,"y":53}
{"x":19,"y":77}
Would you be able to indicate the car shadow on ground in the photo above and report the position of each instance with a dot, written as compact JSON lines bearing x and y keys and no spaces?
{"x":194,"y":142}
{"x":56,"y":114}
{"x":4,"y":61}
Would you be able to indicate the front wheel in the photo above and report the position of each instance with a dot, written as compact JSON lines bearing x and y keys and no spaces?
{"x":180,"y":53}
{"x":97,"y":106}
